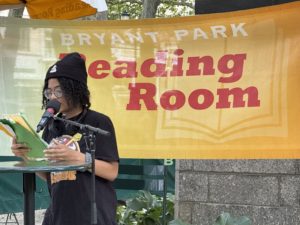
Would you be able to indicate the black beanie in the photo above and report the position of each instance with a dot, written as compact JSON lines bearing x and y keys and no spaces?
{"x":71,"y":66}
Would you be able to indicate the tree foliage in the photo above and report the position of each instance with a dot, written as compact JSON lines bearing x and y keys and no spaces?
{"x":142,"y":8}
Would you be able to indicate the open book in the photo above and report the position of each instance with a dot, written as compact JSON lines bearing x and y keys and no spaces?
{"x":17,"y":125}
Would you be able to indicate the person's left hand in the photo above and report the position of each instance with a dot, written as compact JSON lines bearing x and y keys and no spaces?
{"x":60,"y":152}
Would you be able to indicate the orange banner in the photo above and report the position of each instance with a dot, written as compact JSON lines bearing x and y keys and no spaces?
{"x":213,"y":86}
{"x":51,"y":9}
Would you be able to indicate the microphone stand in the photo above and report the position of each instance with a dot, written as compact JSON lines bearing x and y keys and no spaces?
{"x":90,"y":141}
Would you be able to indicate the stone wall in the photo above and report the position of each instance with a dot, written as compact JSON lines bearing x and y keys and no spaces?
{"x":266,"y":191}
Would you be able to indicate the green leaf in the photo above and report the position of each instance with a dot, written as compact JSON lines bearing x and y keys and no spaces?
{"x":222,"y":219}
{"x":243,"y":221}
{"x":136,"y":204}
{"x":226,"y":219}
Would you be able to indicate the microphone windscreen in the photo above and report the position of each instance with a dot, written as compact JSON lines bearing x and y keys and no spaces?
{"x":53,"y":104}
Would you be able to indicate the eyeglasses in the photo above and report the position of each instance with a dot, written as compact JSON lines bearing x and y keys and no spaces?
{"x":58,"y":93}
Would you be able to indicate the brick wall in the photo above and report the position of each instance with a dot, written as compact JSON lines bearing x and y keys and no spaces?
{"x":266,"y":191}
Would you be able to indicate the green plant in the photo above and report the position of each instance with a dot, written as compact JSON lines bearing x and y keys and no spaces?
{"x":146,"y":209}
{"x":226,"y":219}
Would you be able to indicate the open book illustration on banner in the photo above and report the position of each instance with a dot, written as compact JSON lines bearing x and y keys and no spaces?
{"x":17,"y":125}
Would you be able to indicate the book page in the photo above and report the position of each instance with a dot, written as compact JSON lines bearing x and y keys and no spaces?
{"x":7,"y":130}
{"x":18,"y":118}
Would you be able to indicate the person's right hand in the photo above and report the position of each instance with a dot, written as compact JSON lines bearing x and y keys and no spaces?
{"x":19,"y":149}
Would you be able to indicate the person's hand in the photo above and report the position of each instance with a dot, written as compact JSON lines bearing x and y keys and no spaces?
{"x":19,"y":149}
{"x":60,"y":152}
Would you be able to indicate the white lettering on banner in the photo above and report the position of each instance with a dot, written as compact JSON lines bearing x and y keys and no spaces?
{"x":100,"y":37}
{"x":214,"y":32}
{"x":239,"y":28}
{"x":84,"y":39}
{"x":198,"y":32}
{"x":180,"y":34}
{"x":116,"y":39}
{"x":218,"y":30}
{"x":152,"y":36}
{"x":132,"y":37}
{"x":67,"y":39}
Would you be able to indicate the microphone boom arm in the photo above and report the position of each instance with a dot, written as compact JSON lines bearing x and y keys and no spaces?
{"x":84,"y":126}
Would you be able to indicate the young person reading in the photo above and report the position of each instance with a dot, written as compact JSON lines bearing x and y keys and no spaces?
{"x":70,"y":192}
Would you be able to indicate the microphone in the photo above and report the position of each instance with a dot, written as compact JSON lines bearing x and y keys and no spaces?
{"x":52,"y":108}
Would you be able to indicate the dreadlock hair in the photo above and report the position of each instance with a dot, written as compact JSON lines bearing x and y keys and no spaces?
{"x":75,"y":92}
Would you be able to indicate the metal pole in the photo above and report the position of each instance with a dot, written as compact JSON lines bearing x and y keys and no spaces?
{"x":94,"y":206}
{"x":164,"y":196}
{"x":29,"y":204}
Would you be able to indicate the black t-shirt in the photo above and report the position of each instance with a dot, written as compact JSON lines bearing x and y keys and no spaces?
{"x":71,"y":191}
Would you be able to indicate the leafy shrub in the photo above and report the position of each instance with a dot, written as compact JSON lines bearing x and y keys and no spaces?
{"x":147,"y":209}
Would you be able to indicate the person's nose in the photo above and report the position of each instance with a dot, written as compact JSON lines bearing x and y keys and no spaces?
{"x":52,"y":96}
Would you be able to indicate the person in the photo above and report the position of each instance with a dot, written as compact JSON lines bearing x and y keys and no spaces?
{"x":70,"y":192}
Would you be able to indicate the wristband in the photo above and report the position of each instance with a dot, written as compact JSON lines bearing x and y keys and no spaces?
{"x":88,"y":158}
